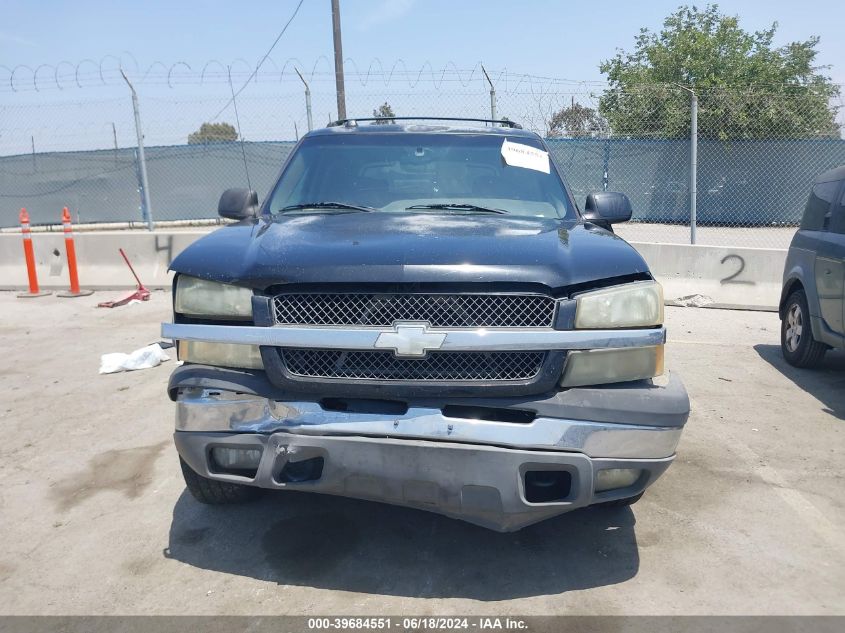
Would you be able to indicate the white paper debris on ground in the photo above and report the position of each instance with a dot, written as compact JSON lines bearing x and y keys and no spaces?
{"x":519,"y":155}
{"x":144,"y":358}
{"x":694,"y":301}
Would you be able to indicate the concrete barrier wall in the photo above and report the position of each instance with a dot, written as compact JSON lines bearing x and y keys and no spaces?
{"x":722,"y":276}
{"x":99,"y":262}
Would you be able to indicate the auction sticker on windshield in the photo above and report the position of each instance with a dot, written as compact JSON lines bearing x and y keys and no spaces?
{"x":519,"y":155}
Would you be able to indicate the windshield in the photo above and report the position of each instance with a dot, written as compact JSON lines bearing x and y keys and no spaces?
{"x":433,"y":173}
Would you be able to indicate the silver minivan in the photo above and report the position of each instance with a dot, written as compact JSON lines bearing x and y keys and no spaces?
{"x":812,"y":303}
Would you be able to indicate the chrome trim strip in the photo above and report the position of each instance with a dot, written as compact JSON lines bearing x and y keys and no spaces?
{"x":479,"y":339}
{"x":213,"y":410}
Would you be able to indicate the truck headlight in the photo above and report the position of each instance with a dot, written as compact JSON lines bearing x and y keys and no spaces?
{"x":221,"y":354}
{"x":199,"y":297}
{"x":601,"y":366}
{"x":639,"y":304}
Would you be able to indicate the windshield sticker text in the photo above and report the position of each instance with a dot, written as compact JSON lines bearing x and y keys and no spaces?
{"x":519,"y":155}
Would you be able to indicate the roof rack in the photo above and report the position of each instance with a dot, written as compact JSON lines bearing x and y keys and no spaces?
{"x":351,"y":122}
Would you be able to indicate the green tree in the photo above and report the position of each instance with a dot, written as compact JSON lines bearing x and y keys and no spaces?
{"x":384,"y":114}
{"x":575,"y":121}
{"x":747,"y":88}
{"x":213,"y":133}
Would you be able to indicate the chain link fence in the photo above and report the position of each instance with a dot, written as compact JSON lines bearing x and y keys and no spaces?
{"x":758,"y":151}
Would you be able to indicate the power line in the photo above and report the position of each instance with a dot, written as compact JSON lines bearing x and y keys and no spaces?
{"x":263,"y":59}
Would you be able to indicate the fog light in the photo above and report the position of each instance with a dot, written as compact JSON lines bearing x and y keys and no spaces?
{"x":239,"y":461}
{"x":613,"y":478}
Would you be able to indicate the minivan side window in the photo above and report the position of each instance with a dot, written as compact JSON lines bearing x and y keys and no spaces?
{"x":837,"y":222}
{"x":818,"y":205}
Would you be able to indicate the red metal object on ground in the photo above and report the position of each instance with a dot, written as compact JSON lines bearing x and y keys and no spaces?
{"x":29,"y":256}
{"x":141,"y":293}
{"x":71,"y":260}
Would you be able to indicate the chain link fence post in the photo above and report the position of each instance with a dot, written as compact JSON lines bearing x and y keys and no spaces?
{"x":307,"y":101}
{"x":492,"y":94}
{"x":605,"y":176}
{"x":146,"y":208}
{"x":693,"y":168}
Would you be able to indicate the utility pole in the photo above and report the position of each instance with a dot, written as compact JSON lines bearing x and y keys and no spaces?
{"x":146,"y":208}
{"x":307,"y":99}
{"x":338,"y":61}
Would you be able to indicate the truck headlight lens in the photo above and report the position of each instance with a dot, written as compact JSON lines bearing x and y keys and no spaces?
{"x":212,"y":299}
{"x":221,"y":354}
{"x":638,"y":304}
{"x":601,"y":366}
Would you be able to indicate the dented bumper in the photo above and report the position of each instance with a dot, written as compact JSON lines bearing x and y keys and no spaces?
{"x":485,"y":471}
{"x":485,"y":485}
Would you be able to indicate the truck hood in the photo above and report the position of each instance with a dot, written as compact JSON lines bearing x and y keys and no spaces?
{"x":393,"y":248}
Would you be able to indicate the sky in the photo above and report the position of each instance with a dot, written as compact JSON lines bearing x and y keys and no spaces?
{"x":540,"y":37}
{"x":546,"y":38}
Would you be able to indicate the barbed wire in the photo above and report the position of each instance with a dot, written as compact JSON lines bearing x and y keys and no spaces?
{"x":88,"y":74}
{"x":78,"y":118}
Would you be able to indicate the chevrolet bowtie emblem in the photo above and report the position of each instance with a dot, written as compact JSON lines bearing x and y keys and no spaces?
{"x":410,"y":339}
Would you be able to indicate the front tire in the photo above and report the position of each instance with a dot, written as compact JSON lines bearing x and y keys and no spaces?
{"x":212,"y":492}
{"x":799,"y":347}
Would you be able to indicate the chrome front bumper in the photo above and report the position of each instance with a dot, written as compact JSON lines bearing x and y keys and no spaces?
{"x":470,"y":469}
{"x":214,"y":410}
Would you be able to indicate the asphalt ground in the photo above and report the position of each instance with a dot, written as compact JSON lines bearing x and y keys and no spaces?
{"x":95,"y":519}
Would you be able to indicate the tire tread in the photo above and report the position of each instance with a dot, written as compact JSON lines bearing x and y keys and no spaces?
{"x":211,"y":492}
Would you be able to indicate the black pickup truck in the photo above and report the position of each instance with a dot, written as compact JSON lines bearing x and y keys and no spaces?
{"x":419,"y":313}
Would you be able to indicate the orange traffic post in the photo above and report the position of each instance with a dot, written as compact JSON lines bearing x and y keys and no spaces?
{"x":71,"y":260}
{"x":29,"y":256}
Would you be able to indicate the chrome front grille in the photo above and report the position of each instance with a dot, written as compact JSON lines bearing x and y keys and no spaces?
{"x":436,"y":366}
{"x":439,"y":310}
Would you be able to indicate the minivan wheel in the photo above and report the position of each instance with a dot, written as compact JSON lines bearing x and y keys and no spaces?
{"x":212,"y":492}
{"x":796,"y":338}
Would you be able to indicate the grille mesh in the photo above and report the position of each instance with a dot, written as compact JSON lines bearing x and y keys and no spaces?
{"x":436,"y":366}
{"x":440,"y":310}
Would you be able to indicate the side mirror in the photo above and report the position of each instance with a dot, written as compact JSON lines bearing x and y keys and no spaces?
{"x":607,"y":208}
{"x":238,"y":204}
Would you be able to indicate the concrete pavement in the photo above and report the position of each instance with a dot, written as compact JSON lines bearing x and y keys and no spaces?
{"x":96,"y":520}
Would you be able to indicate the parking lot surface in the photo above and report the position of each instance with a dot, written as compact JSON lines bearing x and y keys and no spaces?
{"x":96,"y":519}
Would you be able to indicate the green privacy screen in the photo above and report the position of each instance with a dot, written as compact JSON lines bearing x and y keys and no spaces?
{"x":740,"y":183}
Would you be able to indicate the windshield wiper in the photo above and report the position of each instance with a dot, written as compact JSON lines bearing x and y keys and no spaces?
{"x":448,"y":206}
{"x":325,"y":205}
